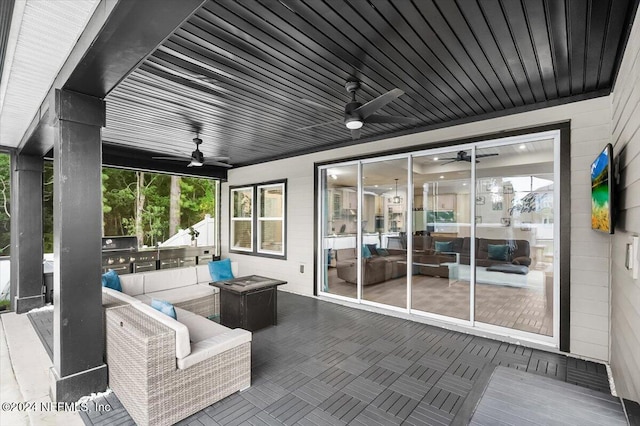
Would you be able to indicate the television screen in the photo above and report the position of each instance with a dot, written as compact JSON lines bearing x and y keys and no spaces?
{"x":601,"y":193}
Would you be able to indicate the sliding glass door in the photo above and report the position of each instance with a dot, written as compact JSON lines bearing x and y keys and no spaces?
{"x":442,"y":233}
{"x":515,"y":241}
{"x":384,"y":232}
{"x":466,"y":234}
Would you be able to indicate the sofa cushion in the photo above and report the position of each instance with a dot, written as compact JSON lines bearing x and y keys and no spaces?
{"x":111,"y":280}
{"x":201,"y":328}
{"x":498,"y":252}
{"x":441,"y":246}
{"x":164,"y":307}
{"x":215,"y":345}
{"x":183,"y":346}
{"x":181,"y":294}
{"x":220,"y":270}
{"x":366,"y":253}
{"x":123,"y":297}
{"x":132,"y":284}
{"x":509,"y":269}
{"x":166,"y":279}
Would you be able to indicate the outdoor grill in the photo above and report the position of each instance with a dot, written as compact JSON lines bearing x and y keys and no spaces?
{"x":122,"y":255}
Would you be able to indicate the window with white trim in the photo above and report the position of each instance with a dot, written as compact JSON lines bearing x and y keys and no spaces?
{"x":259,"y":227}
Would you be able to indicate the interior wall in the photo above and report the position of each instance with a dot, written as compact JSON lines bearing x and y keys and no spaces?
{"x":625,"y":292}
{"x":590,"y":131}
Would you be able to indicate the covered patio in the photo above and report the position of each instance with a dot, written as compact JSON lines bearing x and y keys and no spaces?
{"x":323,"y":106}
{"x":331,"y":364}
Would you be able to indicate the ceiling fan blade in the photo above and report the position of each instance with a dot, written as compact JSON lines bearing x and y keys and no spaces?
{"x":376,"y":118}
{"x":375,"y":104}
{"x":485,"y":155}
{"x":319,"y":124}
{"x":355,"y":134}
{"x":451,"y":160}
{"x":217,"y":158}
{"x":216,"y":163}
{"x":318,"y":106}
{"x":185,"y":158}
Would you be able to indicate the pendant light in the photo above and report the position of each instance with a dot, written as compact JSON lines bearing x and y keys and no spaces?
{"x":397,"y":199}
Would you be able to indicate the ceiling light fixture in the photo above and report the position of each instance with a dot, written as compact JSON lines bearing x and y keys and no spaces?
{"x":441,"y":176}
{"x":397,"y":199}
{"x":334,"y":177}
{"x":435,"y":158}
{"x":353,"y":123}
{"x":523,"y":146}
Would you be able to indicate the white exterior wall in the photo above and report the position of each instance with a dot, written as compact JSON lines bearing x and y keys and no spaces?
{"x":590,"y":131}
{"x":625,"y":291}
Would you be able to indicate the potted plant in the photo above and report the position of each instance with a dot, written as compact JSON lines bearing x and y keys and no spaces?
{"x":194,"y":234}
{"x":4,"y":305}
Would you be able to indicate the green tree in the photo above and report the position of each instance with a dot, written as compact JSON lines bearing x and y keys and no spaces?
{"x":5,"y":204}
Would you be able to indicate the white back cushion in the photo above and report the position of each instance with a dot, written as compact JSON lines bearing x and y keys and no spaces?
{"x":202,"y":272}
{"x":166,"y":279}
{"x":132,"y":284}
{"x":214,"y":346}
{"x":204,"y":276}
{"x":183,"y":346}
{"x":120,"y":296}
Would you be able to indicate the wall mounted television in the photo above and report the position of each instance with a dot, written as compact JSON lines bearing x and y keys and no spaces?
{"x":602,"y":191}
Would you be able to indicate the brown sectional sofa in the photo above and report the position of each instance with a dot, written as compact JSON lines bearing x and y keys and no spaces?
{"x":379,"y":268}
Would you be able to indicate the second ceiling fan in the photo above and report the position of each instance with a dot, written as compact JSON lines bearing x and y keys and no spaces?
{"x":357,"y":114}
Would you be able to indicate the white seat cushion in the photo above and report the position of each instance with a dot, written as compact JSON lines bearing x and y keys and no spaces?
{"x":183,"y":345}
{"x":166,"y":279}
{"x":215,"y":345}
{"x":182,"y":294}
{"x":132,"y":284}
{"x":201,"y":328}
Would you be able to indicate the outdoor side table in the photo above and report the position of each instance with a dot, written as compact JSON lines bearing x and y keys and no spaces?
{"x":248,"y":302}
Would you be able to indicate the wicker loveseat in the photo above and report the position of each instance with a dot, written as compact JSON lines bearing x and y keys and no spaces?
{"x":164,"y":370}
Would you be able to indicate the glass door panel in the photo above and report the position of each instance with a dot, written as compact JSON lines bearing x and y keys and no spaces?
{"x":441,"y":234}
{"x":339,"y":223}
{"x":514,"y":236}
{"x":384,"y":232}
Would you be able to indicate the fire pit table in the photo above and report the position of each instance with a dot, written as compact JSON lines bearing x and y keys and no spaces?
{"x":249,"y":302}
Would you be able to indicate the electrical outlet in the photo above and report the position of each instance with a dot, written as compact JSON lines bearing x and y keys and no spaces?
{"x":302,"y":269}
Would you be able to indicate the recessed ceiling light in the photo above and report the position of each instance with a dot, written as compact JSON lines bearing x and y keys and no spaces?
{"x":523,"y":146}
{"x":441,"y":177}
{"x":464,"y":184}
{"x":334,"y":177}
{"x":435,"y":158}
{"x":375,"y":186}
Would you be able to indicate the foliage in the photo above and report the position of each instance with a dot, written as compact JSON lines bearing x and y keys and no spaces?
{"x":5,"y":204}
{"x":119,"y":196}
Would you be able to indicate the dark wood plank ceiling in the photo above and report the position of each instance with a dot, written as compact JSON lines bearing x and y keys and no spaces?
{"x":236,"y":71}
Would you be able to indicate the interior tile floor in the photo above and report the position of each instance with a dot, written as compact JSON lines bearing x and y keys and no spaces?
{"x":326,"y":363}
{"x":522,"y":309}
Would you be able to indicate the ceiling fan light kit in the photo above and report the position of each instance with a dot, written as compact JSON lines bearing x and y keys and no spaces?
{"x":196,"y":159}
{"x":356,"y":114}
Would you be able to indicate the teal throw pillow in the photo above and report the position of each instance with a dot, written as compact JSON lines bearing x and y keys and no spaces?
{"x":164,"y":307}
{"x":366,"y":253}
{"x":444,"y":246}
{"x":111,"y":280}
{"x":382,"y":252}
{"x":220,"y":270}
{"x":498,"y":252}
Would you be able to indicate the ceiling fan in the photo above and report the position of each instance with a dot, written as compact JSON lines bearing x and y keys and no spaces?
{"x":357,"y":114}
{"x":196,"y":159}
{"x":464,"y":156}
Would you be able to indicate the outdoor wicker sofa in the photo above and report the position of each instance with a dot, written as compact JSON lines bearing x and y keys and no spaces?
{"x":164,"y":370}
{"x":187,"y":288}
